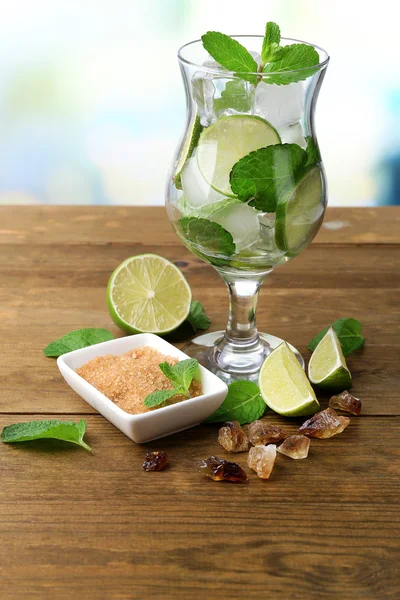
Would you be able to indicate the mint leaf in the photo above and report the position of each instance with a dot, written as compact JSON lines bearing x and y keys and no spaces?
{"x":264,"y":174}
{"x":207,"y":235}
{"x":313,"y":154}
{"x":181,"y":374}
{"x":205,"y":211}
{"x":81,"y":338}
{"x":235,"y":95}
{"x":271,"y":41}
{"x":243,"y":403}
{"x":156,"y":398}
{"x":230,"y":54}
{"x":197,"y":316}
{"x":348,"y":331}
{"x":66,"y":431}
{"x":292,"y":58}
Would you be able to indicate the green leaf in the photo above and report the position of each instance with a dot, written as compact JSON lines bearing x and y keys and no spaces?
{"x":231,"y":55}
{"x":264,"y":174}
{"x":243,"y":403}
{"x":207,"y":235}
{"x":181,"y":374}
{"x":313,"y":154}
{"x":290,"y":64}
{"x":197,"y":316}
{"x":66,"y":431}
{"x":271,"y":41}
{"x":81,"y":338}
{"x":348,"y":331}
{"x":205,"y":211}
{"x":235,"y":95}
{"x":156,"y":398}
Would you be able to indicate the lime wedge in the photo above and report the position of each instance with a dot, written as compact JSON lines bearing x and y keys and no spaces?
{"x":297,"y":213}
{"x":189,"y":144}
{"x":327,"y":368}
{"x":284,"y":385}
{"x":147,"y":293}
{"x":221,"y":145}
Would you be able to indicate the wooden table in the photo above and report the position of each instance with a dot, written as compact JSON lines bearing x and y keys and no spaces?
{"x":96,"y":526}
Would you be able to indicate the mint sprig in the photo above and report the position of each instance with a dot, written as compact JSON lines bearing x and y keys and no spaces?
{"x":231,"y":55}
{"x":289,"y":64}
{"x":271,"y":42}
{"x":348,"y":331}
{"x":81,"y":338}
{"x":235,"y":96}
{"x":66,"y":431}
{"x":197,"y":316}
{"x":207,"y":235}
{"x":181,"y":376}
{"x":280,"y":65}
{"x":263,"y":175}
{"x":243,"y":403}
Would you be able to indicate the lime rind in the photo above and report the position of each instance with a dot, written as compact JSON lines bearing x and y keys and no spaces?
{"x":327,"y":368}
{"x":297,"y":210}
{"x":284,"y":385}
{"x":152,"y":291}
{"x":227,"y":141}
{"x":190,"y":143}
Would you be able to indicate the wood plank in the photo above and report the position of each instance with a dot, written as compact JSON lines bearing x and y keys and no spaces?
{"x":119,"y":224}
{"x":326,"y":527}
{"x":320,"y":266}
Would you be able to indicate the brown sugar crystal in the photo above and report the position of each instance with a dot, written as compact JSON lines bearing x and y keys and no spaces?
{"x":129,"y":378}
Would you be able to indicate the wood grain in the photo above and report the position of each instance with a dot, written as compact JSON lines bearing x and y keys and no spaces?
{"x":98,"y":526}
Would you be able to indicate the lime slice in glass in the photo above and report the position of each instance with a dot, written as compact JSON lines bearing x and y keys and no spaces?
{"x":284,"y":385}
{"x":221,"y":145}
{"x":298,"y":211}
{"x":327,"y":368}
{"x":190,"y":143}
{"x":147,"y":293}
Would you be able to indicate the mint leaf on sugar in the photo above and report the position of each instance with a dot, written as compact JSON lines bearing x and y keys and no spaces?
{"x":197,"y":316}
{"x":264,"y":174}
{"x":271,"y":41}
{"x":207,"y":235}
{"x":157,"y":398}
{"x":313,"y":154}
{"x":231,"y":55}
{"x":235,"y":96}
{"x":81,"y":338}
{"x":181,"y":374}
{"x":348,"y":331}
{"x":290,"y":64}
{"x":243,"y":403}
{"x":66,"y":431}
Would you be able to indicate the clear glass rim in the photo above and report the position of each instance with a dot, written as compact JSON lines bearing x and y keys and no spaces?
{"x":200,"y":67}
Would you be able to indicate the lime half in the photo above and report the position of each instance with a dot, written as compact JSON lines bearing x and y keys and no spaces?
{"x":189,"y":144}
{"x":297,"y":212}
{"x":221,"y":145}
{"x":147,"y":293}
{"x":284,"y":385}
{"x":327,"y":368}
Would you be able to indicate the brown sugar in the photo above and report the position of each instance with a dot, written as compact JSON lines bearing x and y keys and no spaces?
{"x":129,"y":378}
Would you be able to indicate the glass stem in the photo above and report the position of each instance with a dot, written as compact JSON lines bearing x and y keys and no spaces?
{"x":241,"y":350}
{"x":243,"y":296}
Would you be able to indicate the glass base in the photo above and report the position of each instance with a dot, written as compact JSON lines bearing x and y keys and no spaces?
{"x":235,"y":365}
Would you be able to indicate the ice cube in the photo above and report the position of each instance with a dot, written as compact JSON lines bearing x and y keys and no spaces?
{"x":197,"y":191}
{"x":293,"y":134}
{"x":203,"y":93}
{"x":281,"y":105}
{"x":242,"y":223}
{"x":256,"y":56}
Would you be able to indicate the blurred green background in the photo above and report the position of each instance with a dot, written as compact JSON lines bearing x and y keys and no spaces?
{"x":92,"y":105}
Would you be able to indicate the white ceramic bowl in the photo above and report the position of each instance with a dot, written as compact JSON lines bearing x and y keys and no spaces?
{"x":156,"y":423}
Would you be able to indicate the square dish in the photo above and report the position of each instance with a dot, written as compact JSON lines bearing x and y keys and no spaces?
{"x":156,"y":423}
